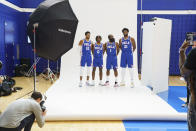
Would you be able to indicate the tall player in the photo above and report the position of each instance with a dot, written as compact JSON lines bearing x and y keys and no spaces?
{"x":97,"y":50}
{"x":112,"y":49}
{"x":127,"y":45}
{"x":85,"y":46}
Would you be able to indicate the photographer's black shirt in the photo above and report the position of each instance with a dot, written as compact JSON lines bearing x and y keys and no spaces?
{"x":190,"y":62}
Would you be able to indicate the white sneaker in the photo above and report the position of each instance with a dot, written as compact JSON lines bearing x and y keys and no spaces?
{"x":122,"y":83}
{"x":116,"y":85}
{"x":88,"y":84}
{"x":80,"y":84}
{"x":101,"y":84}
{"x":132,"y":85}
{"x":107,"y":83}
{"x":92,"y":84}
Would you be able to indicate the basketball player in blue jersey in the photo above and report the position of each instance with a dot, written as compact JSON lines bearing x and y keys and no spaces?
{"x":127,"y":46}
{"x":86,"y":59}
{"x":97,"y":51}
{"x":112,"y":50}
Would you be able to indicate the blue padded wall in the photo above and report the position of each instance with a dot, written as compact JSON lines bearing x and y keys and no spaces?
{"x":31,"y":3}
{"x":147,"y":4}
{"x":26,"y":3}
{"x":167,"y":4}
{"x":16,"y":2}
{"x":12,"y":19}
{"x":19,"y":22}
{"x":180,"y":25}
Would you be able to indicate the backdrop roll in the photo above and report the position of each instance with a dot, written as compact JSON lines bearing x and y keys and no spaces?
{"x":100,"y":17}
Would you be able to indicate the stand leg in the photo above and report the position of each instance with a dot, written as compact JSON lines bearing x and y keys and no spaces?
{"x":34,"y":60}
{"x":34,"y":66}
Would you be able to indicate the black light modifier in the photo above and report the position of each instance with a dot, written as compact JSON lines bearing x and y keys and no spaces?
{"x":56,"y":29}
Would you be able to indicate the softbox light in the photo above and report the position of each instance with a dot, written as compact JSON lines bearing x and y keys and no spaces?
{"x":56,"y":29}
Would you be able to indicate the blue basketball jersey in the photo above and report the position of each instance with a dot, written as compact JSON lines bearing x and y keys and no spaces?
{"x":98,"y":50}
{"x":111,"y":49}
{"x":86,"y":47}
{"x":126,"y":45}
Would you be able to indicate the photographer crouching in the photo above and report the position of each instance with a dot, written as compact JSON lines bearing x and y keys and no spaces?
{"x":188,"y":71}
{"x":21,"y":114}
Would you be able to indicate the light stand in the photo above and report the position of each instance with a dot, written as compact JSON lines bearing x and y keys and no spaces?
{"x":35,"y":71}
{"x":48,"y":74}
{"x":31,"y":70}
{"x":35,"y":61}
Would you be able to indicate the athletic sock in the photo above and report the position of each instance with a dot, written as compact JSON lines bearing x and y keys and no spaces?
{"x":81,"y":71}
{"x":107,"y":78}
{"x":123,"y":71}
{"x":131,"y":71}
{"x":80,"y":82}
{"x":116,"y":79}
{"x":88,"y":71}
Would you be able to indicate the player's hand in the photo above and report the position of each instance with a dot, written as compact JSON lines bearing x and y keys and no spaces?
{"x":184,"y":45}
{"x":44,"y":113}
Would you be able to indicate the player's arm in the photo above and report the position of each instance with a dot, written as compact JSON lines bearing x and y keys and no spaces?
{"x":117,"y":48}
{"x":120,"y":43}
{"x":133,"y":43}
{"x":92,"y":48}
{"x":80,"y":43}
{"x":104,"y":48}
{"x":184,"y":61}
{"x":80,"y":47}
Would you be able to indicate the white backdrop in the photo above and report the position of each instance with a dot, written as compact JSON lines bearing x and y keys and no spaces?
{"x":66,"y":101}
{"x":100,"y":17}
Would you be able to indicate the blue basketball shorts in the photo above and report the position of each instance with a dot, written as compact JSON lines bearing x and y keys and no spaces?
{"x":111,"y":62}
{"x":98,"y":62}
{"x":126,"y":60}
{"x":86,"y":60}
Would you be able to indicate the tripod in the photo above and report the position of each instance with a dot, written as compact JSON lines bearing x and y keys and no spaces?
{"x":31,"y":70}
{"x":35,"y":61}
{"x":48,"y":74}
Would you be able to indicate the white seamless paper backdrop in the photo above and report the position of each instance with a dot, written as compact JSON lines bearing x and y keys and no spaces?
{"x":100,"y":17}
{"x":66,"y":101}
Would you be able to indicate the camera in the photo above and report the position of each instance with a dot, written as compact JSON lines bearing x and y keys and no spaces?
{"x":190,"y":37}
{"x":42,"y":103}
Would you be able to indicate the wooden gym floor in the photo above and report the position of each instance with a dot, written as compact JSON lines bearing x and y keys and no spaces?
{"x":42,"y":86}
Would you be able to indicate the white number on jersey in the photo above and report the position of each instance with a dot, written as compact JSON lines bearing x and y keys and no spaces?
{"x":87,"y":48}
